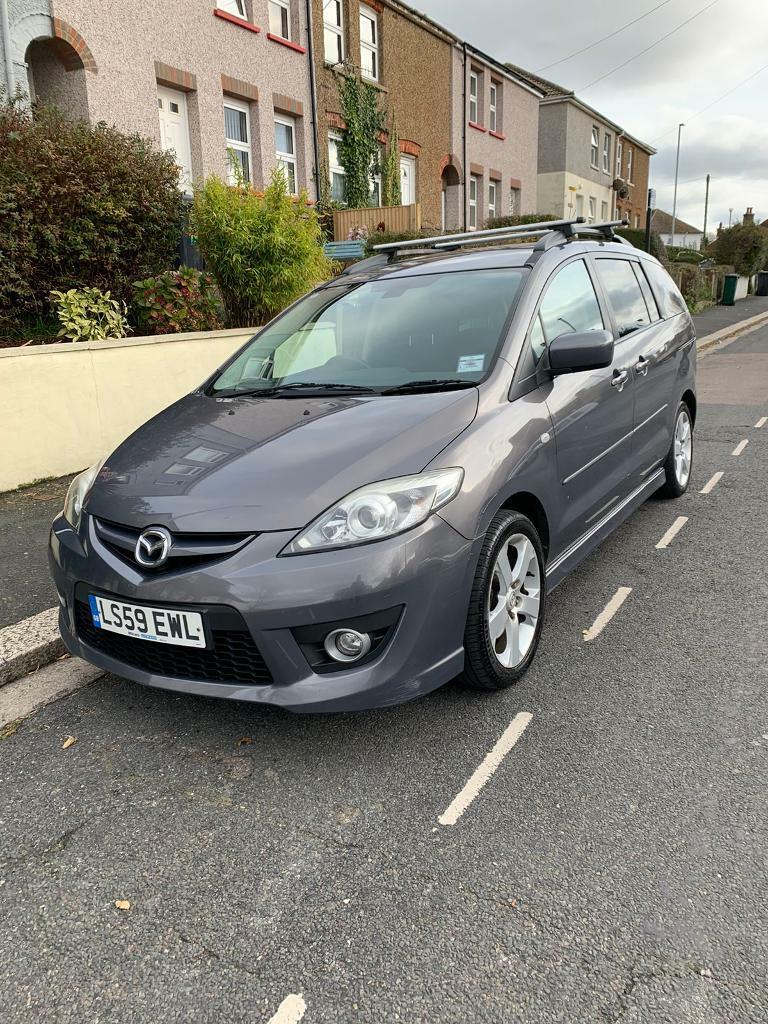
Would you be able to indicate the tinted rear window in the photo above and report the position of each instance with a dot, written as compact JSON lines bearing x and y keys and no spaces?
{"x":626,"y":299}
{"x":671,"y":302}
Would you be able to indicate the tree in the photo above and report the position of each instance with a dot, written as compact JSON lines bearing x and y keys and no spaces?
{"x":264,"y":249}
{"x":744,"y":246}
{"x":360,"y":143}
{"x":81,"y":206}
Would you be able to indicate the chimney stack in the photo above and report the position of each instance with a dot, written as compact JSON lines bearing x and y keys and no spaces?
{"x":749,"y":216}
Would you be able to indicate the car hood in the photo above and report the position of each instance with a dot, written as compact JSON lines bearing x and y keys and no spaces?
{"x":261,"y":464}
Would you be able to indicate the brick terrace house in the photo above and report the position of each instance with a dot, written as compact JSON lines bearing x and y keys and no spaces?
{"x":588,"y":165}
{"x":218,"y":81}
{"x":407,"y":59}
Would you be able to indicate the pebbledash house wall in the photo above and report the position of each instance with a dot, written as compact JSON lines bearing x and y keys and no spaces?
{"x":187,"y":45}
{"x":510,"y":156}
{"x":412,"y":86}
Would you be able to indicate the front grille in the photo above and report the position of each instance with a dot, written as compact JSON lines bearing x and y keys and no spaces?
{"x":188,"y":550}
{"x":234,"y":657}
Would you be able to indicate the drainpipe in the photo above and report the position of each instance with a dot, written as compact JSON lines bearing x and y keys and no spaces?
{"x":464,"y":130}
{"x":5,"y":33}
{"x":313,"y":95}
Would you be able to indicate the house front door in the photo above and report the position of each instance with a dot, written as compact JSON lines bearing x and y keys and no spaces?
{"x":174,"y":131}
{"x":407,"y":180}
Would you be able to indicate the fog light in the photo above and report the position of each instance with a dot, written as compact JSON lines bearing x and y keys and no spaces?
{"x":347,"y":644}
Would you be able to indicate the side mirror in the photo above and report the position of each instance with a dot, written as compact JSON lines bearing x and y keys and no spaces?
{"x":585,"y":350}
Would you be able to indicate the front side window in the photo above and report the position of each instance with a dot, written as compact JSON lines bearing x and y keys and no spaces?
{"x":285,"y":150}
{"x":369,"y":43}
{"x":492,"y":198}
{"x":594,"y":146}
{"x":569,"y":305}
{"x":236,"y":7}
{"x":607,"y":153}
{"x":626,"y":299}
{"x":492,"y":107}
{"x":473,"y":94}
{"x":280,"y":18}
{"x":337,"y":173}
{"x":333,"y":31}
{"x":238,"y":140}
{"x":387,"y":333}
{"x":473,"y":190}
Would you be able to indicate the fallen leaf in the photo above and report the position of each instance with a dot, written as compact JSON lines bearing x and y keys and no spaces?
{"x":123,"y":904}
{"x":244,"y":741}
{"x":70,"y":741}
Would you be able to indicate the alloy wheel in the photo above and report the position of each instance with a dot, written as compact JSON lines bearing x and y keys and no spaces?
{"x":683,"y":447}
{"x":514,"y":600}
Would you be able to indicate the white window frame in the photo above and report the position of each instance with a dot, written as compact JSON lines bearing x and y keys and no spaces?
{"x":335,"y":168}
{"x":579,"y":204}
{"x":604,"y":210}
{"x":606,"y":153}
{"x":514,"y":199}
{"x":592,"y":210}
{"x":288,"y":158}
{"x":493,"y":108}
{"x":285,"y":8}
{"x":474,"y":187}
{"x":474,"y":86}
{"x":337,"y":30}
{"x":619,"y":156}
{"x":493,"y":192}
{"x":630,"y":161}
{"x":594,"y":147}
{"x":242,"y":147}
{"x":235,"y":7}
{"x":368,"y":14}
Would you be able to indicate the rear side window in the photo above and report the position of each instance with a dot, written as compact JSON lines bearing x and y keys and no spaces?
{"x":626,"y":299}
{"x":671,"y":302}
{"x":569,"y":306}
{"x":645,"y":288}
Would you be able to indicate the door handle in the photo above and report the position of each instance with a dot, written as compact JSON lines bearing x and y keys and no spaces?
{"x":619,"y":379}
{"x":641,"y":366}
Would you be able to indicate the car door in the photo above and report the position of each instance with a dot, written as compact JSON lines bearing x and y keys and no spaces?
{"x":649,"y":344}
{"x":591,"y":410}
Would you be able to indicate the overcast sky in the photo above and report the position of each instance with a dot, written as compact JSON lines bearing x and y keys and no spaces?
{"x":673,"y":82}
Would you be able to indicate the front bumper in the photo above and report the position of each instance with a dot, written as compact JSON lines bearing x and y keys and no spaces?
{"x":428,"y":571}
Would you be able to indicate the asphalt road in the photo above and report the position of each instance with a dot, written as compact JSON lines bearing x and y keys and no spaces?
{"x":613,"y":869}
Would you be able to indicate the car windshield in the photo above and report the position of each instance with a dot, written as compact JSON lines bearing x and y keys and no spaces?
{"x":416,"y":333}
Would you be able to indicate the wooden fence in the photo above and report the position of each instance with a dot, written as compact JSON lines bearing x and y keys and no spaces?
{"x":397,"y":219}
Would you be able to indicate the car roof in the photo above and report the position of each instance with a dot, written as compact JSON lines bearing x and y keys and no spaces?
{"x":484,"y":257}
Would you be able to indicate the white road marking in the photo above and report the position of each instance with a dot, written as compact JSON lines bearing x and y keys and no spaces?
{"x":490,"y":763}
{"x":711,"y":484}
{"x":672,"y":532}
{"x":23,"y":697}
{"x":607,"y":613}
{"x":761,"y":422}
{"x":290,"y":1011}
{"x":740,"y":447}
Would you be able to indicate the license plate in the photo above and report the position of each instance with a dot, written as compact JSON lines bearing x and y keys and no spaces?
{"x":161,"y":625}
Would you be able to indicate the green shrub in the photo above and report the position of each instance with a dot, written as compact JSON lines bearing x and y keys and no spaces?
{"x":81,"y":206}
{"x":637,"y":237}
{"x":88,"y":314}
{"x":678,"y":254}
{"x":264,"y":249}
{"x":513,"y":220}
{"x":178,"y":300}
{"x":744,"y":246}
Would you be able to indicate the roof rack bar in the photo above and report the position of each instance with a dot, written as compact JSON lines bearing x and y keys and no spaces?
{"x":426,"y":243}
{"x":459,"y":243}
{"x":602,"y":230}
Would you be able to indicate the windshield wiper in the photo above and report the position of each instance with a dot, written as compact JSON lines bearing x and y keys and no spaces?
{"x":298,"y":385}
{"x":428,"y":385}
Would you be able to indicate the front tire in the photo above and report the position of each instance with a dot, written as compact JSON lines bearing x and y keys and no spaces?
{"x":679,"y":461}
{"x":506,"y":609}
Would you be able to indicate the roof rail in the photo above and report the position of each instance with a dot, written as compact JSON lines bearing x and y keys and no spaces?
{"x":485,"y":235}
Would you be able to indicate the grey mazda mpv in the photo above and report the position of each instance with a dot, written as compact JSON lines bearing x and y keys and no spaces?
{"x":376,"y":493}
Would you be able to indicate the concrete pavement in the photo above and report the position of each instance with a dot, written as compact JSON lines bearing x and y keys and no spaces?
{"x":612,"y":869}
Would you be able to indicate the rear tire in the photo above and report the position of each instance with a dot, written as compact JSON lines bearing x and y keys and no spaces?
{"x":506,"y":609}
{"x":679,"y":461}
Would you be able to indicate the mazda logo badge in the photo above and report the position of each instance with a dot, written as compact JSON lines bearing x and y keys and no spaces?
{"x":153,"y":547}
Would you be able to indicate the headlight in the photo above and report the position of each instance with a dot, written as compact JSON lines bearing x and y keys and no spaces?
{"x":78,"y":492}
{"x":379,"y":510}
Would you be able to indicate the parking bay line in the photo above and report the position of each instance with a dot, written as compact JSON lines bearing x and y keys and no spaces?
{"x":488,"y":766}
{"x":607,"y":614}
{"x":290,"y":1011}
{"x":761,"y":422}
{"x":740,"y":447}
{"x":711,"y":484}
{"x":672,"y":532}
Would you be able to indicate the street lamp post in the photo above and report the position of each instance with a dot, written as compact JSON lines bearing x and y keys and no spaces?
{"x":677,"y":172}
